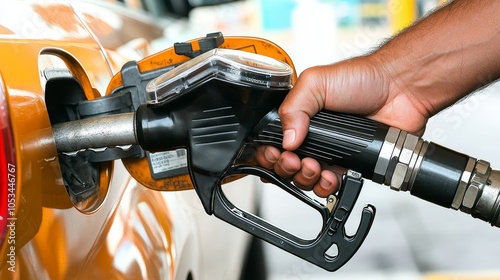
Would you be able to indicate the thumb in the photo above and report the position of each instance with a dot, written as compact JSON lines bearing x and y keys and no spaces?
{"x":302,"y":102}
{"x":295,"y":129}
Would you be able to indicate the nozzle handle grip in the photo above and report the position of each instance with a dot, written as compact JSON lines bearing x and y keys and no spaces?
{"x":346,"y":140}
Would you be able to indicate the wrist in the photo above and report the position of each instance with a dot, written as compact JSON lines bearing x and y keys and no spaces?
{"x":441,"y":58}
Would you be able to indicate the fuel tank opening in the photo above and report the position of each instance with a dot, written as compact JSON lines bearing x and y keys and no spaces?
{"x":86,"y":180}
{"x":80,"y":175}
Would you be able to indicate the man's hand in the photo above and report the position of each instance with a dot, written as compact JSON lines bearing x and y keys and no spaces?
{"x":352,"y":86}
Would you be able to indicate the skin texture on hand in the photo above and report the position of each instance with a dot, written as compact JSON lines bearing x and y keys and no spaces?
{"x":416,"y":74}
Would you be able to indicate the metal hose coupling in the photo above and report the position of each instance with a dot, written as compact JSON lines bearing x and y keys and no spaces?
{"x":437,"y":174}
{"x":482,"y":196}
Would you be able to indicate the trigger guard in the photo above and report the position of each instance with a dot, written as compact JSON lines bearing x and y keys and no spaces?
{"x":315,"y":251}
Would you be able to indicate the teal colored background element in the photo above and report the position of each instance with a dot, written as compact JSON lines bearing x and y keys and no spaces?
{"x":276,"y":14}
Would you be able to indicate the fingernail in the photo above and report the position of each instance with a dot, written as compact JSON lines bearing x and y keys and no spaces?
{"x":307,"y":172}
{"x":288,"y":137}
{"x":270,"y":156}
{"x":287,"y":168}
{"x":324,"y":183}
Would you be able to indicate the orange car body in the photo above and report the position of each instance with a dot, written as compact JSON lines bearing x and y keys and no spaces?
{"x":125,"y":230}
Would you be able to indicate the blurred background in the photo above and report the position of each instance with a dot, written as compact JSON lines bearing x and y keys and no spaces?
{"x":410,"y":238}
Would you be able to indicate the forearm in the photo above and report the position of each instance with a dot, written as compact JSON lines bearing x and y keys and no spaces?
{"x":446,"y":55}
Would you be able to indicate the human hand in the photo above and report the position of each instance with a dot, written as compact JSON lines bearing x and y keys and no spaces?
{"x":359,"y":86}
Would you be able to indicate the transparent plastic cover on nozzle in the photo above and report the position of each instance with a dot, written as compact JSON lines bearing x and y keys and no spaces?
{"x":233,"y":66}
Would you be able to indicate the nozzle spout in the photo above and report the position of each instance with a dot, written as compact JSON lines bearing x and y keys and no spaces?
{"x":98,"y":132}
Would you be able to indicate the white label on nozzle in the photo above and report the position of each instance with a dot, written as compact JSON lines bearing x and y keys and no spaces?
{"x":167,"y":161}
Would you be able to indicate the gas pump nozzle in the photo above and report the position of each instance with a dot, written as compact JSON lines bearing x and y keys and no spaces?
{"x":225,"y":100}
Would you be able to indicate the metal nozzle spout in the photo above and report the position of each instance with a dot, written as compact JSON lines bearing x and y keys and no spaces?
{"x":98,"y":132}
